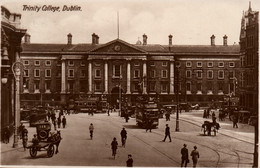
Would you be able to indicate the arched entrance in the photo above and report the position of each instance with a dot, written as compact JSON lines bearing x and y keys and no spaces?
{"x":115,"y":96}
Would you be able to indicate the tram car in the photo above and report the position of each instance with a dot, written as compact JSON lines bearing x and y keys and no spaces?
{"x":145,"y":111}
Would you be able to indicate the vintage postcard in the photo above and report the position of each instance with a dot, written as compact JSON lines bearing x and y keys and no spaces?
{"x":142,"y":83}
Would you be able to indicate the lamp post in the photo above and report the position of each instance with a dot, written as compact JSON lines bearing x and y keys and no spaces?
{"x":177,"y":129}
{"x":119,"y":97}
{"x":16,"y":69}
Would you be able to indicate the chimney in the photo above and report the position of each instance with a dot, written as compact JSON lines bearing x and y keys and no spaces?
{"x":27,"y":38}
{"x":95,"y":39}
{"x":225,"y":40}
{"x":69,"y":39}
{"x":170,"y":39}
{"x":144,"y":39}
{"x":212,"y":40}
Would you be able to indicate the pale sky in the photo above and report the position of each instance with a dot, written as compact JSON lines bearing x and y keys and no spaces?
{"x":189,"y":21}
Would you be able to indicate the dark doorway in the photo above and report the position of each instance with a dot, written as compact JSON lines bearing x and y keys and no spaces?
{"x":115,"y":96}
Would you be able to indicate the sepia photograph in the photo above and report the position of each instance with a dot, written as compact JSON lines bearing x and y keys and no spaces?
{"x":120,"y":83}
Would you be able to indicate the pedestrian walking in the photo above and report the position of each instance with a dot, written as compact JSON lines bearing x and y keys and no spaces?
{"x":57,"y":139}
{"x":114,"y":145}
{"x":64,"y":122}
{"x":235,"y":121}
{"x":123,"y":134}
{"x":25,"y":138}
{"x":126,"y":117}
{"x":129,"y":162}
{"x":59,"y":121}
{"x":195,"y":156}
{"x":55,"y":124}
{"x":91,"y":129}
{"x":149,"y":124}
{"x":20,"y":130}
{"x":6,"y":135}
{"x":108,"y":112}
{"x":167,"y":116}
{"x":184,"y":156}
{"x":167,"y":133}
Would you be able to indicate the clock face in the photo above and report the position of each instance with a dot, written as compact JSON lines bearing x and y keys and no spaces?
{"x":117,"y":48}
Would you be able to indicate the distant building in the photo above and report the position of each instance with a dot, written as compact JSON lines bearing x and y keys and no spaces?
{"x":249,"y":43}
{"x":56,"y":73}
{"x":11,"y":35}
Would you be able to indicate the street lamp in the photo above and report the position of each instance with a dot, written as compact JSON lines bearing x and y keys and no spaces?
{"x":16,"y":69}
{"x":177,"y":129}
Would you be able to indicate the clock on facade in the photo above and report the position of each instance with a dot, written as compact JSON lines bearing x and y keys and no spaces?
{"x":117,"y":48}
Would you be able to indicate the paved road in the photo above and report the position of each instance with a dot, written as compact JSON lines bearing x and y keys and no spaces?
{"x":147,"y":149}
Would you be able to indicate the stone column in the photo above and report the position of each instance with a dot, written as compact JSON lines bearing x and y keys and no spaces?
{"x":63,"y":76}
{"x":106,"y":77}
{"x":89,"y":77}
{"x":171,"y":77}
{"x":128,"y":79}
{"x":144,"y":77}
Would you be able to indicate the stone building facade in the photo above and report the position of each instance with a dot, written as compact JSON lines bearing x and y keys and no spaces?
{"x":55,"y":73}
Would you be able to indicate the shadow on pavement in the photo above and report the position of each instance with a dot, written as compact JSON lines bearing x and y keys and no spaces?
{"x":42,"y":155}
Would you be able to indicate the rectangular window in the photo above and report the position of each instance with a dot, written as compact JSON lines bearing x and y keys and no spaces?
{"x":221,"y":64}
{"x":231,"y":87}
{"x":26,"y":62}
{"x":164,"y":63}
{"x":152,"y":86}
{"x":152,"y":63}
{"x":188,"y":86}
{"x":199,"y":86}
{"x":37,"y":62}
{"x":47,"y":86}
{"x":36,"y":73}
{"x":136,"y":73}
{"x":70,"y":85}
{"x":210,"y":64}
{"x":220,"y":86}
{"x":188,"y":64}
{"x":164,"y":87}
{"x":231,"y":74}
{"x":152,"y":73}
{"x":48,"y":63}
{"x":136,"y":86}
{"x":210,"y":74}
{"x":97,"y":73}
{"x":164,"y":74}
{"x":199,"y":73}
{"x":26,"y":85}
{"x":199,"y":64}
{"x":188,"y":74}
{"x":26,"y":73}
{"x":58,"y":85}
{"x":47,"y":73}
{"x":71,"y":63}
{"x":71,"y":73}
{"x":209,"y":85}
{"x":231,"y":64}
{"x":97,"y":86}
{"x":82,"y":73}
{"x":220,"y":74}
{"x":37,"y":86}
{"x":117,"y":71}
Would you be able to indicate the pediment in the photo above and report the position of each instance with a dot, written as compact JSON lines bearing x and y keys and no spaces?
{"x":117,"y":46}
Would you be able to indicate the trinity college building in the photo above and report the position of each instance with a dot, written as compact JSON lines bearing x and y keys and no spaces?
{"x":59,"y":73}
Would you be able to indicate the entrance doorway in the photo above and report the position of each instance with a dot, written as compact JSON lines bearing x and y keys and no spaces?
{"x":115,"y":96}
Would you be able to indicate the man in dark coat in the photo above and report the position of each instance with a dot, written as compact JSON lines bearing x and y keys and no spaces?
{"x":184,"y":156}
{"x":123,"y":136}
{"x":64,"y":121}
{"x":114,"y":145}
{"x":167,"y":133}
{"x":129,"y":162}
{"x":149,"y":124}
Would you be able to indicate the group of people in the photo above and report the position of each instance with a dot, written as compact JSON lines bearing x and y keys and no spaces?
{"x":57,"y":121}
{"x":114,"y":143}
{"x":185,"y":156}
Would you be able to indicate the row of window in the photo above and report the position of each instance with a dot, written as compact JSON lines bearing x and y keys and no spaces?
{"x":97,"y":73}
{"x":152,"y":86}
{"x":210,"y":64}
